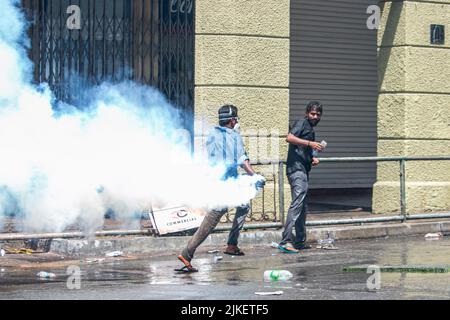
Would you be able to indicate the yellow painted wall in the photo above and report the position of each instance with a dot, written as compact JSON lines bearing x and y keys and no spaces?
{"x":242,"y":58}
{"x":413,"y":106}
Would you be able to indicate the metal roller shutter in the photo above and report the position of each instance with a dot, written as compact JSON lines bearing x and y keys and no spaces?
{"x":334,"y":60}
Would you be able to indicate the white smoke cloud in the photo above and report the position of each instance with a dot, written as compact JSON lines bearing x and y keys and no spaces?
{"x":121,"y":153}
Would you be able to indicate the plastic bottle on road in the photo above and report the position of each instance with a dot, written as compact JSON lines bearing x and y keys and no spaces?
{"x":114,"y":254}
{"x":327,"y":241}
{"x":274,"y":245}
{"x":277,"y":275}
{"x":46,"y":275}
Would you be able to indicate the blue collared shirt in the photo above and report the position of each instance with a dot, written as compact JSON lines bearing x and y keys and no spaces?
{"x":225,"y":146}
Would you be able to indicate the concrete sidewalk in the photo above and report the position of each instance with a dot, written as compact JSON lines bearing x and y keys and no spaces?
{"x":158,"y":245}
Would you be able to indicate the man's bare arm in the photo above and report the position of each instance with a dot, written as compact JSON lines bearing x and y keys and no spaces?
{"x":248,"y":168}
{"x":301,"y":142}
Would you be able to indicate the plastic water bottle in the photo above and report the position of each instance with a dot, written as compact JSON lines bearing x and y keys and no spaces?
{"x":316,"y":153}
{"x":114,"y":254}
{"x":46,"y":275}
{"x":277,"y":275}
{"x":327,"y":241}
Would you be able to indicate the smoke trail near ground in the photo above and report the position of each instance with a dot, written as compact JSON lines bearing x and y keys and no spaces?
{"x":121,"y":152}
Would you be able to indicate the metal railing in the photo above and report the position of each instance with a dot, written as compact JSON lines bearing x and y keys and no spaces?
{"x":281,"y":199}
{"x":402,"y":171}
{"x":403,"y":217}
{"x":402,"y":174}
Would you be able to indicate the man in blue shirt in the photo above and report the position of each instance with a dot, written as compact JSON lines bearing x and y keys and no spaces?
{"x":224,"y":146}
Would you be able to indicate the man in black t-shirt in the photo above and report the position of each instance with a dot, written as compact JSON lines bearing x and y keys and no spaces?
{"x":299,"y":162}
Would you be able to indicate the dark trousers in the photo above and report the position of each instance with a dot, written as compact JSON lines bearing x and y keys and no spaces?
{"x":296,"y":216}
{"x":208,"y":224}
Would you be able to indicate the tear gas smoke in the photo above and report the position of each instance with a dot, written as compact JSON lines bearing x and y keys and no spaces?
{"x":121,"y":152}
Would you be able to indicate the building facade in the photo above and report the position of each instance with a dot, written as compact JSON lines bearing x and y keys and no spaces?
{"x":384,"y":86}
{"x":414,"y":104}
{"x":376,"y":66}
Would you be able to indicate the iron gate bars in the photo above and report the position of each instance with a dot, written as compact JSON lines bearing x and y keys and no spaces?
{"x":147,"y":41}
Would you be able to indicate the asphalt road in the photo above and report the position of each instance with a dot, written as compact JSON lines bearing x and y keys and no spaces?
{"x":317,"y":273}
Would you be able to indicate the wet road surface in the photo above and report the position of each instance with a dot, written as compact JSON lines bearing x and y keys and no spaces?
{"x":317,"y":275}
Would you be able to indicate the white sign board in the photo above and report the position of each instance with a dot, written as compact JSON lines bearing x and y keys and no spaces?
{"x":171,"y":220}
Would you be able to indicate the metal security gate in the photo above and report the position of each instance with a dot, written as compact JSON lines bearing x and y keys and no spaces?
{"x":334,"y":60}
{"x":86,"y":42}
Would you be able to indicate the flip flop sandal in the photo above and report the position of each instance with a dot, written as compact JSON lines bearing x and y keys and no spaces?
{"x":188,"y":268}
{"x":238,"y":252}
{"x":288,"y":250}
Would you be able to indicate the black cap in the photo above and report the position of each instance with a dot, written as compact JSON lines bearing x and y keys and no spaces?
{"x":228,"y":112}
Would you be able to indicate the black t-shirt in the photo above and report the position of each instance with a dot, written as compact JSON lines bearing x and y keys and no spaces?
{"x":300,"y":157}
